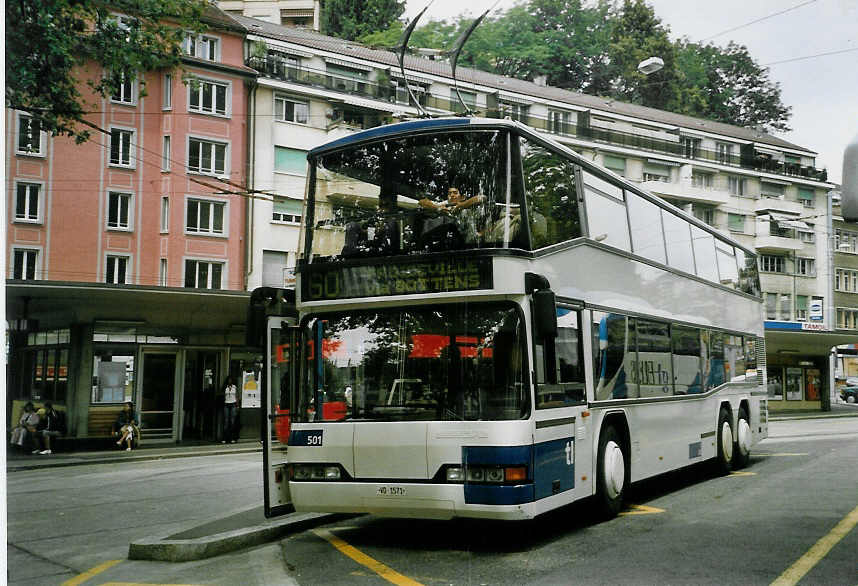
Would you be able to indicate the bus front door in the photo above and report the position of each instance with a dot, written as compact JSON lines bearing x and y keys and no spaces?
{"x":278,"y":389}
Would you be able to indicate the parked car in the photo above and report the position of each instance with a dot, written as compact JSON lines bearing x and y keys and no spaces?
{"x":849,"y":394}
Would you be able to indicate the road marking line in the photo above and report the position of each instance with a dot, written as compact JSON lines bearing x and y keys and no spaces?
{"x":81,"y":578}
{"x":640,"y":510}
{"x":376,"y":566}
{"x":819,"y":550}
{"x":742,"y":473}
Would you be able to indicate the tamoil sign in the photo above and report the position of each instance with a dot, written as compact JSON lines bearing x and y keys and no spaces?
{"x":328,"y":282}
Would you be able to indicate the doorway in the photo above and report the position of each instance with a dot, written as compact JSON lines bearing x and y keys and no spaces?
{"x":158,"y":395}
{"x":201,"y":400}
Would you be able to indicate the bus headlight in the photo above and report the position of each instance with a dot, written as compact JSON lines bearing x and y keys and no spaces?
{"x":316,"y":472}
{"x":455,"y":474}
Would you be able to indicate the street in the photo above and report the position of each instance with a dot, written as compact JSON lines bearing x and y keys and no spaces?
{"x":686,"y":528}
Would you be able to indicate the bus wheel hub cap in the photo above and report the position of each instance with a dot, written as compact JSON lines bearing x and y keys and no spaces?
{"x":744,"y":433}
{"x":615,"y":469}
{"x":727,"y":441}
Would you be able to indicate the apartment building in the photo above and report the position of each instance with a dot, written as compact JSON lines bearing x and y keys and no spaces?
{"x":303,"y":13}
{"x":766,"y":192}
{"x":126,"y":253}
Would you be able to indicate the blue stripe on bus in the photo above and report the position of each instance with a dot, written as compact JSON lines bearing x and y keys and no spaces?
{"x":391,"y":129}
{"x":498,"y":456}
{"x":553,"y":467}
{"x":488,"y":494}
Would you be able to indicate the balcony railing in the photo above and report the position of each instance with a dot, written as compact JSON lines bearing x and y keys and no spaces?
{"x":279,"y":69}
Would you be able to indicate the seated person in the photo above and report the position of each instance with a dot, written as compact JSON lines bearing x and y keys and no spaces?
{"x":127,"y":427}
{"x":27,"y":422}
{"x":51,"y":424}
{"x":460,"y":220}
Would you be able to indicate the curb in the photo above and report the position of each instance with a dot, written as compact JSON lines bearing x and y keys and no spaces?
{"x":797,"y":417}
{"x":186,"y":550}
{"x":120,"y":458}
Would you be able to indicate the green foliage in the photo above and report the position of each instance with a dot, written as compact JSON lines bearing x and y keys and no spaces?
{"x":49,"y":41}
{"x":351,"y":19}
{"x":595,"y":47}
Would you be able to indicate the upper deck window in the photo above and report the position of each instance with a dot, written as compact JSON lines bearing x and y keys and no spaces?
{"x":418,"y":194}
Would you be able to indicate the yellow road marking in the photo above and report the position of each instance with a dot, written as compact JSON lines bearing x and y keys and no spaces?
{"x":376,"y":566}
{"x":141,"y":584}
{"x":742,"y":473}
{"x":81,"y":578}
{"x":819,"y":550}
{"x":640,"y":510}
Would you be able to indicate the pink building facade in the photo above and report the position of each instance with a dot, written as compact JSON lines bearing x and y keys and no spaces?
{"x":141,"y":226}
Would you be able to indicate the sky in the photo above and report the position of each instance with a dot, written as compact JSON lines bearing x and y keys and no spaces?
{"x":822,"y":91}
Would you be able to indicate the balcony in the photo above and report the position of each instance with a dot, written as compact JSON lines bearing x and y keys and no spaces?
{"x":284,"y":71}
{"x":687,"y":192}
{"x":777,"y":244}
{"x":780,"y":205}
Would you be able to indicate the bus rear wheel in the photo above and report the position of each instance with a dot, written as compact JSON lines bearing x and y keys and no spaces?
{"x":724,"y":459}
{"x":612,"y":479}
{"x":742,"y":447}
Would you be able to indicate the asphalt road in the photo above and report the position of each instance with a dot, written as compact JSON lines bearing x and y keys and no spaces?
{"x":786,"y":516}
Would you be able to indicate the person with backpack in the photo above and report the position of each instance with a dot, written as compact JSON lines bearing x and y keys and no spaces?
{"x":51,"y":424}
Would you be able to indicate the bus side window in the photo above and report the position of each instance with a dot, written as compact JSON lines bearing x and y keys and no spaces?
{"x":560,"y":364}
{"x":616,"y":366}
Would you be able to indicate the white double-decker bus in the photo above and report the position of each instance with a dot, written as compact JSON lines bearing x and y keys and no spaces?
{"x":486,"y":324}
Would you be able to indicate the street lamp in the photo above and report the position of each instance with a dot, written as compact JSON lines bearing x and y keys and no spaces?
{"x":651,"y":65}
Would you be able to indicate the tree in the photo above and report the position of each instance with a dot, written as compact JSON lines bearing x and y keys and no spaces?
{"x":48,"y":42}
{"x":351,"y":19}
{"x":727,"y":85}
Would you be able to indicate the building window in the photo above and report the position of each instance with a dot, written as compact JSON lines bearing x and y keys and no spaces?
{"x":205,"y":217}
{"x":167,"y":102}
{"x":724,"y":152}
{"x":162,"y":273}
{"x":846,"y":280}
{"x":736,"y":222}
{"x":289,"y":110}
{"x":615,"y":164}
{"x":116,"y":270}
{"x":27,"y":198}
{"x":514,"y":111}
{"x":203,"y":275}
{"x":120,"y":147}
{"x":736,"y":185}
{"x":206,"y":157}
{"x":690,"y":147}
{"x":772,"y":264}
{"x":805,"y":267}
{"x":701,"y":180}
{"x":165,"y":214}
{"x":29,"y":136}
{"x":805,"y":196}
{"x":347,"y":78}
{"x":24,"y":263}
{"x":806,"y":237}
{"x":801,"y":307}
{"x":845,"y":241}
{"x":656,"y":172}
{"x":202,"y":47}
{"x":470,"y":99}
{"x":124,"y":93}
{"x":847,"y":319}
{"x":290,"y":160}
{"x":165,"y":154}
{"x":704,"y":214}
{"x":778,"y":306}
{"x":118,"y":210}
{"x":771,"y":190}
{"x":287,"y":211}
{"x":558,"y":122}
{"x":208,"y":97}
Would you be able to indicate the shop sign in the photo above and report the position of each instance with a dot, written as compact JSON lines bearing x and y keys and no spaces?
{"x":815,"y":312}
{"x":813,"y":327}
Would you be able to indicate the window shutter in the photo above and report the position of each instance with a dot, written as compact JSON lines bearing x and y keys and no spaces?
{"x":805,"y":194}
{"x":288,"y":206}
{"x":290,"y":160}
{"x":616,"y":164}
{"x":736,"y":222}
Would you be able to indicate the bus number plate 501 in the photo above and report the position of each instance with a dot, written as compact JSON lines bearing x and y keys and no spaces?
{"x":390,"y":491}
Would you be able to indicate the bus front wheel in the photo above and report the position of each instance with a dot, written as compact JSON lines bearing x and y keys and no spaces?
{"x":742,"y":447}
{"x":724,"y":459}
{"x":612,"y":476}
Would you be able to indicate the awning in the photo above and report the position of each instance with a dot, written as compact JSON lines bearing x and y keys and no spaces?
{"x":349,"y":64}
{"x":785,"y":221}
{"x":666,"y":163}
{"x":369,"y":104}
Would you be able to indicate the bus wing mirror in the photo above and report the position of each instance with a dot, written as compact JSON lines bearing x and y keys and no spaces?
{"x":544,"y":314}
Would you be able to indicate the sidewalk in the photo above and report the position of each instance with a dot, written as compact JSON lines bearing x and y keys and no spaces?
{"x":837,"y":410}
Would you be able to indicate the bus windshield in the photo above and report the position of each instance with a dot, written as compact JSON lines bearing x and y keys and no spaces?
{"x":444,"y":363}
{"x":416,"y":194}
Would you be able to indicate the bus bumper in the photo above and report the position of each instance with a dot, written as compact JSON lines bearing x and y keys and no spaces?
{"x":399,"y":499}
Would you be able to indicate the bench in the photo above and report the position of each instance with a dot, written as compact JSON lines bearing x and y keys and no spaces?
{"x":100,"y":423}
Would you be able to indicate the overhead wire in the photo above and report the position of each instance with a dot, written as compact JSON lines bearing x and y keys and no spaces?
{"x":755,"y":21}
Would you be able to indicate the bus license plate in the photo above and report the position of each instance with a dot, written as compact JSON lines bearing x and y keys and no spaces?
{"x":390,"y":491}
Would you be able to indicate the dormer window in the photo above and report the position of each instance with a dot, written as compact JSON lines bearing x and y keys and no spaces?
{"x":202,"y":47}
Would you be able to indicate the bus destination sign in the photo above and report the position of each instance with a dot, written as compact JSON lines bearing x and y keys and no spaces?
{"x":321,"y":283}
